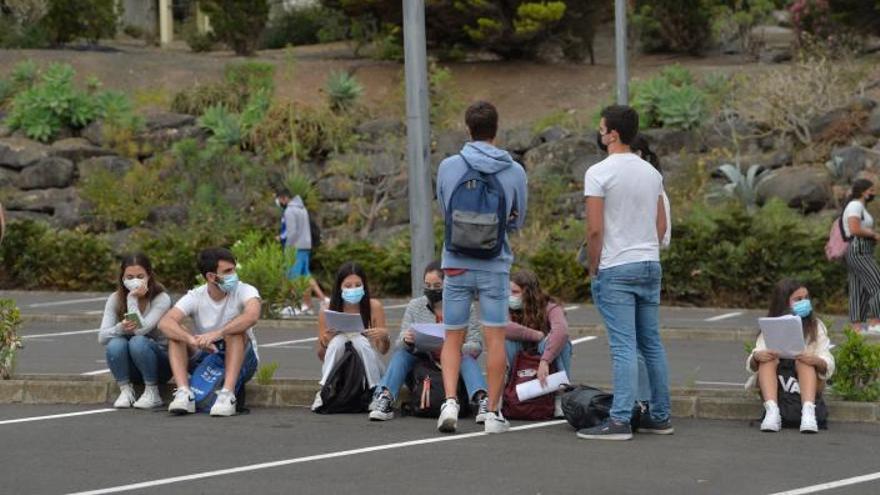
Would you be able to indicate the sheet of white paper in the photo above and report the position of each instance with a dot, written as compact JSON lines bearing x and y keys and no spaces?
{"x":427,"y":343}
{"x":784,"y":335}
{"x":343,"y":322}
{"x":533,"y":388}
{"x":432,"y":329}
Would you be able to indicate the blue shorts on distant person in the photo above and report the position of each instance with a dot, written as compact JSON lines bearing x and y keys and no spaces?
{"x":460,"y":290}
{"x":300,"y":267}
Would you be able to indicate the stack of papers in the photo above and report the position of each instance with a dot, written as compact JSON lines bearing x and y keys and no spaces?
{"x":533,"y":388}
{"x":343,"y":322}
{"x":784,"y":334}
{"x":429,"y":337}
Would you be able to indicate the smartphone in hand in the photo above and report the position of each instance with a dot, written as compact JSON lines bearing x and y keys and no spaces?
{"x":134,"y":318}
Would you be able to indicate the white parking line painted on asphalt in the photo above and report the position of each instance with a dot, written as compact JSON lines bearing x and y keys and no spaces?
{"x":54,"y":416}
{"x":288,"y":342}
{"x":721,"y":384}
{"x":64,"y":303}
{"x":302,"y":460}
{"x":59,"y":334}
{"x":725,"y":316}
{"x":96,"y":372}
{"x":832,"y":485}
{"x":583,"y":339}
{"x":571,"y":308}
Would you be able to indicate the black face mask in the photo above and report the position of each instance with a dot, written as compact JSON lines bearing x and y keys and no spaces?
{"x":600,"y":144}
{"x":434,"y":295}
{"x":869,"y":198}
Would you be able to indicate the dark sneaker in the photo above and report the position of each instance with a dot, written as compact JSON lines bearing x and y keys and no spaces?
{"x":648,"y":425}
{"x":383,"y":410}
{"x":608,"y":430}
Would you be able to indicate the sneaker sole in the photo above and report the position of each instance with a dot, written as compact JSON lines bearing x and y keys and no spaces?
{"x":183,"y":411}
{"x":810,"y":432}
{"x":148,"y":406}
{"x":222,"y":414}
{"x":378,"y":416}
{"x":770,"y":430}
{"x":448,"y":426}
{"x":480,"y":419}
{"x":611,"y":436}
{"x":494,"y":430}
{"x":666,"y":431}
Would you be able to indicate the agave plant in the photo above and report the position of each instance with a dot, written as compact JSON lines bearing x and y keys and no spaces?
{"x":343,"y":90}
{"x":741,"y":186}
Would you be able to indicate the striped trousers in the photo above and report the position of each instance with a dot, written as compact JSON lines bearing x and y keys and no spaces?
{"x":863,"y":280}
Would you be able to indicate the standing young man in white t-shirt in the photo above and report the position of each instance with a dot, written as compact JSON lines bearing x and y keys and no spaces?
{"x":224,"y":312}
{"x":625,"y":221}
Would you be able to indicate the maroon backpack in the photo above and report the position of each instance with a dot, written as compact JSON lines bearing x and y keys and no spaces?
{"x":525,"y":368}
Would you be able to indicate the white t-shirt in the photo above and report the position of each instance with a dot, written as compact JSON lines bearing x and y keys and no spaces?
{"x":206,"y":312}
{"x":855,"y":208}
{"x":631,"y":188}
{"x":667,"y":237}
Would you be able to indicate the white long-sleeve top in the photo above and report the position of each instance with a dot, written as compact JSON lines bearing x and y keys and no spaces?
{"x":821,"y":347}
{"x":111,"y":326}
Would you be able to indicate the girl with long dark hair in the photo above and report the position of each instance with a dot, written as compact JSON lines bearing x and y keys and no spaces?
{"x":813,"y":366}
{"x":351,"y":294}
{"x":135,"y":348}
{"x":863,"y":274}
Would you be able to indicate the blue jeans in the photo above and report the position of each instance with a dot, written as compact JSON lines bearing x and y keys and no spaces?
{"x":628,"y":297}
{"x":459,"y":292}
{"x":137,"y":359}
{"x":562,"y":361}
{"x":300,"y":267}
{"x":402,"y":363}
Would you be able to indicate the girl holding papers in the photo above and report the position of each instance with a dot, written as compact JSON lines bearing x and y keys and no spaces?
{"x":537,"y":323}
{"x":351,"y":294}
{"x":813,"y":366}
{"x":426,"y":310}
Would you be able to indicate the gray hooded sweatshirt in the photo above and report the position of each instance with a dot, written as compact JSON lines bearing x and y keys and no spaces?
{"x":299,"y":235}
{"x":487,"y":159}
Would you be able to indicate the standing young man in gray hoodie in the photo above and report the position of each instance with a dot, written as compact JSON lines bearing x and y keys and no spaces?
{"x":296,"y":233}
{"x":468,"y":277}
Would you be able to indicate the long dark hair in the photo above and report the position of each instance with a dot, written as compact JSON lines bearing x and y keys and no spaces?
{"x":858,"y":188}
{"x":640,"y":145}
{"x":154,"y":288}
{"x":779,"y":306}
{"x":534,"y":302}
{"x":336,"y":302}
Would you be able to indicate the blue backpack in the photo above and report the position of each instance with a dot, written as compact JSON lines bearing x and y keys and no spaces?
{"x":476,"y":216}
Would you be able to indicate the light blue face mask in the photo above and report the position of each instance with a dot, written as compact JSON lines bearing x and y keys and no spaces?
{"x":802,"y":308}
{"x":514,"y":302}
{"x":353,"y":295}
{"x":228,"y":283}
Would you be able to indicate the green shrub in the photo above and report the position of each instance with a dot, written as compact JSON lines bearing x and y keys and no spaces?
{"x":197,"y":41}
{"x":670,"y":99}
{"x":238,"y":23}
{"x":304,"y":26}
{"x":69,"y":20}
{"x":343,"y":90}
{"x":22,"y":35}
{"x":10,"y":343}
{"x":387,"y":267}
{"x":303,"y":133}
{"x":241,"y":81}
{"x":857,"y":376}
{"x":125,"y":201}
{"x":674,"y":25}
{"x":559,"y":272}
{"x":265,"y":373}
{"x":248,"y":78}
{"x":263,"y":264}
{"x":35,"y":256}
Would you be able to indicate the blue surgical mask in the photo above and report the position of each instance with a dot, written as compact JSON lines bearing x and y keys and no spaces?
{"x":353,"y":295}
{"x":228,"y":283}
{"x":802,"y":308}
{"x":515,"y":302}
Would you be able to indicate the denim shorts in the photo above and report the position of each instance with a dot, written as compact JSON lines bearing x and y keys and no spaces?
{"x":459,"y":291}
{"x":300,"y":267}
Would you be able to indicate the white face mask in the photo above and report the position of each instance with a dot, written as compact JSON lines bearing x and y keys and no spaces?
{"x":133,"y":284}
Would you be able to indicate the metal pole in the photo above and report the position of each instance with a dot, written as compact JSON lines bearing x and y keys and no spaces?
{"x":418,"y":136}
{"x":620,"y":52}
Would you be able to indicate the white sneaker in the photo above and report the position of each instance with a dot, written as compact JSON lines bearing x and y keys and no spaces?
{"x":808,"y":418}
{"x":383,"y":410}
{"x":448,"y":420}
{"x":287,"y":312}
{"x":772,"y":419}
{"x":495,"y":423}
{"x":184,"y":402}
{"x":126,"y":397}
{"x":224,"y":405}
{"x":317,"y":403}
{"x":149,"y":399}
{"x":482,"y":409}
{"x":557,"y":407}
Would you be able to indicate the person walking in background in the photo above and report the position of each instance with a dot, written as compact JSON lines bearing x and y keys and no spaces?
{"x":625,"y":222}
{"x":296,"y":234}
{"x":863,"y":274}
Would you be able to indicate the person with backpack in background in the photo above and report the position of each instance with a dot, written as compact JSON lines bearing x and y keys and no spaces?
{"x":812,"y":367}
{"x":625,"y":220}
{"x":428,"y":308}
{"x":351,"y":294}
{"x":135,"y":348}
{"x":537,"y":325}
{"x":863,"y":274}
{"x":483,"y":196}
{"x":224,"y":312}
{"x":296,"y":235}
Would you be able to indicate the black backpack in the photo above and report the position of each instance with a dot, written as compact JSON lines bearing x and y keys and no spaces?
{"x":425,"y":383}
{"x":585,"y":407}
{"x":789,"y":397}
{"x":315,"y":232}
{"x":346,"y":390}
